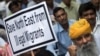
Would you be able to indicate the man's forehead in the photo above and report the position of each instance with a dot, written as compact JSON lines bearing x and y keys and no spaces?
{"x":83,"y":35}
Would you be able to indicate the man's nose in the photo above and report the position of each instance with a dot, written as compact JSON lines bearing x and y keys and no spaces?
{"x":84,"y":40}
{"x":89,"y":16}
{"x":61,"y":17}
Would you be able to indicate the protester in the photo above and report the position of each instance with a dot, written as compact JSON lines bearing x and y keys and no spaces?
{"x":8,"y":12}
{"x":15,"y":6}
{"x":82,"y":1}
{"x":61,"y":30}
{"x":83,"y":41}
{"x":4,"y":48}
{"x":38,"y":52}
{"x":88,"y":12}
{"x":96,"y":4}
{"x":2,"y":9}
{"x":71,"y":8}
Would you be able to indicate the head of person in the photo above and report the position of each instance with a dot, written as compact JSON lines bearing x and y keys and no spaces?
{"x":60,"y":15}
{"x":88,"y":12}
{"x":67,"y":2}
{"x":96,"y":3}
{"x":49,"y":2}
{"x":80,"y":33}
{"x":15,"y":6}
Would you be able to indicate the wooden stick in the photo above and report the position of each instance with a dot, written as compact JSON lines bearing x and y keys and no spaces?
{"x":32,"y":53}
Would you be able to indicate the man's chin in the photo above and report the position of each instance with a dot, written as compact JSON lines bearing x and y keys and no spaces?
{"x":87,"y":50}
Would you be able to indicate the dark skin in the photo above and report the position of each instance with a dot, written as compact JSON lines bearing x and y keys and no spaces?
{"x":90,"y":15}
{"x":49,"y":3}
{"x":96,"y":3}
{"x":66,"y":26}
{"x":61,"y":17}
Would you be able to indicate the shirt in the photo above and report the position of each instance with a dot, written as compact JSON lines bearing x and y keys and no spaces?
{"x":72,"y":11}
{"x":64,"y":40}
{"x":96,"y":33}
{"x":98,"y":14}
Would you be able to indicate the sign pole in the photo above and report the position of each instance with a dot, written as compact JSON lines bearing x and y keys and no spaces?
{"x":32,"y":53}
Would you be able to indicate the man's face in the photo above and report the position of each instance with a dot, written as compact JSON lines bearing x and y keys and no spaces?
{"x":86,"y":46}
{"x":16,"y":8}
{"x":90,"y":15}
{"x":61,"y":17}
{"x":96,"y":2}
{"x":83,"y":39}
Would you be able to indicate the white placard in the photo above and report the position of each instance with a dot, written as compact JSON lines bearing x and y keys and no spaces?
{"x":29,"y":29}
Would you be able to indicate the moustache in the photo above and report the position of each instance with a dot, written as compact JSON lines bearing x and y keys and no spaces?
{"x":87,"y":46}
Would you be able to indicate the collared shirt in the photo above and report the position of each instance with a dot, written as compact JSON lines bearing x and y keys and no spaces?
{"x":72,"y":11}
{"x":98,"y":14}
{"x":64,"y":40}
{"x":96,"y":33}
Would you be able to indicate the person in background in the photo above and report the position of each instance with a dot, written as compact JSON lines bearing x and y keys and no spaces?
{"x":15,"y":6}
{"x":51,"y":4}
{"x":83,"y":41}
{"x":38,"y":52}
{"x":24,"y":3}
{"x":71,"y":8}
{"x":33,"y":2}
{"x":88,"y":12}
{"x":61,"y":30}
{"x":8,"y":12}
{"x":2,"y":47}
{"x":2,"y":9}
{"x":82,"y":1}
{"x":96,"y":4}
{"x":58,"y":1}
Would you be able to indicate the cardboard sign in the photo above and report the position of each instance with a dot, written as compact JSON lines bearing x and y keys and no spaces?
{"x":29,"y":29}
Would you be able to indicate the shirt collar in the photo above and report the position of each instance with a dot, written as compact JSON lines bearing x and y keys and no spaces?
{"x":97,"y":23}
{"x":60,"y":28}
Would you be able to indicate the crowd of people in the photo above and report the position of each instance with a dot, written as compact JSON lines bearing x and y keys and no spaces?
{"x":75,"y":22}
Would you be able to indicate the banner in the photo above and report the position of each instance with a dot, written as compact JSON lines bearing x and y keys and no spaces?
{"x":29,"y":29}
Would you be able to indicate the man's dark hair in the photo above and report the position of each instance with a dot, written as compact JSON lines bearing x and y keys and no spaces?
{"x":57,"y":9}
{"x":85,"y":7}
